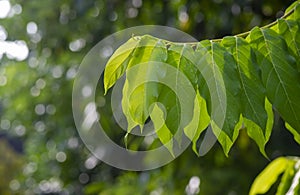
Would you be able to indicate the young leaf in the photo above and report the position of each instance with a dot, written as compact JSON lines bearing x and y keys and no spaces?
{"x":118,"y":62}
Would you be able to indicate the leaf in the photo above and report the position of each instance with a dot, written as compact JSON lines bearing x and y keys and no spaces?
{"x":295,"y":8}
{"x":292,"y":7}
{"x":165,"y":136}
{"x":139,"y":90}
{"x":223,"y":138}
{"x":254,"y":131}
{"x":252,"y":93}
{"x":268,"y":176}
{"x":290,"y":30}
{"x":226,"y":64}
{"x":179,"y":56}
{"x":281,"y":79}
{"x":294,"y":132}
{"x":287,"y":179}
{"x":118,"y":62}
{"x":169,"y":99}
{"x":212,"y":88}
{"x":199,"y":122}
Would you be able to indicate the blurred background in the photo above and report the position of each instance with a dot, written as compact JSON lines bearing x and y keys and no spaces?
{"x":42,"y":44}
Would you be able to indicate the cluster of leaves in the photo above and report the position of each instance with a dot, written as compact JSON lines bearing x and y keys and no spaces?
{"x":290,"y":181}
{"x":253,"y":72}
{"x":54,"y":132}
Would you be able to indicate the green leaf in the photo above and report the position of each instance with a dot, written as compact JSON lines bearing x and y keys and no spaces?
{"x":118,"y":62}
{"x":211,"y":86}
{"x":226,"y":141}
{"x":199,"y":122}
{"x":290,"y":30}
{"x":131,"y":123}
{"x":169,"y":99}
{"x":295,"y":8}
{"x":179,"y":56}
{"x":252,"y":92}
{"x":148,"y":49}
{"x":281,"y":79}
{"x":165,"y":136}
{"x":255,"y":132}
{"x":139,"y":88}
{"x":297,"y":180}
{"x":238,"y":82}
{"x":292,"y":7}
{"x":268,"y":176}
{"x":294,"y":132}
{"x":287,"y":179}
{"x":227,"y":66}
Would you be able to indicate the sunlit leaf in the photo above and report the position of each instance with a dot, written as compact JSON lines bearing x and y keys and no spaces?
{"x":268,"y":176}
{"x":118,"y":62}
{"x":279,"y":75}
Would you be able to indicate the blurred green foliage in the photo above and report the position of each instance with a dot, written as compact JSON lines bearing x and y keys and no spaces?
{"x":35,"y":98}
{"x":10,"y":165}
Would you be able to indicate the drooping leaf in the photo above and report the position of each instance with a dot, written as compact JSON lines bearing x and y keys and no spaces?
{"x":165,"y":136}
{"x":294,"y":132}
{"x":255,"y":132}
{"x":140,"y":91}
{"x":226,"y":64}
{"x":279,"y":75}
{"x":252,"y":93}
{"x":179,"y":59}
{"x":199,"y":122}
{"x":212,"y":88}
{"x":237,"y":83}
{"x":223,"y":138}
{"x":118,"y":62}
